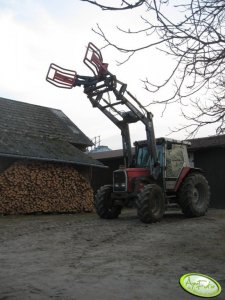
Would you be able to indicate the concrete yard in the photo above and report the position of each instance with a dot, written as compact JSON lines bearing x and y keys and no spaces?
{"x":83,"y":257}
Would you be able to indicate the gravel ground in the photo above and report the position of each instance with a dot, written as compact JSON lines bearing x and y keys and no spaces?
{"x":84,"y":257}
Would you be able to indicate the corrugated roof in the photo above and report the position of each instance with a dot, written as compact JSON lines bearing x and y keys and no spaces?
{"x":36,"y":132}
{"x":208,"y":142}
{"x":108,"y":154}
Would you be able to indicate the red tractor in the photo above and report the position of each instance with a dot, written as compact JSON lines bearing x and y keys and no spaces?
{"x":159,"y":174}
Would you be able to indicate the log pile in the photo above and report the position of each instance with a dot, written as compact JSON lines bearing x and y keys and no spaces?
{"x":31,"y":187}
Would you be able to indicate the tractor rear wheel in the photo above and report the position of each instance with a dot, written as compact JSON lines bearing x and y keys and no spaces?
{"x":104,"y":204}
{"x":194,"y":195}
{"x":150,"y":204}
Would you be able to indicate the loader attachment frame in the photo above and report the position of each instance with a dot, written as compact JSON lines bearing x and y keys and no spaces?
{"x":60,"y":77}
{"x":94,"y":61}
{"x":110,"y":96}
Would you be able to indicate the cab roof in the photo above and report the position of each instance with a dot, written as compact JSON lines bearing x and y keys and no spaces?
{"x":163,"y":140}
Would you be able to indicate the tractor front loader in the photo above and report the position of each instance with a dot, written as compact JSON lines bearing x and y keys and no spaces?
{"x":159,"y":174}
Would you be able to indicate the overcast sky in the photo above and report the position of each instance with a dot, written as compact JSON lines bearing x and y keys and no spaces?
{"x":35,"y":33}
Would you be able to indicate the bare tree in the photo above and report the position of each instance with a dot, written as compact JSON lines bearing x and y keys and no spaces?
{"x":195,"y":36}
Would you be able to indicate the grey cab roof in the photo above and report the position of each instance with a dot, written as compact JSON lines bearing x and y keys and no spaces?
{"x":38,"y":132}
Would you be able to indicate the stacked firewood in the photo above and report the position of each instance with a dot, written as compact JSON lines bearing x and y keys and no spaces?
{"x":31,"y":187}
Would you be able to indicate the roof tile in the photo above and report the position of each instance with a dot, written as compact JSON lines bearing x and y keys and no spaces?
{"x":36,"y":132}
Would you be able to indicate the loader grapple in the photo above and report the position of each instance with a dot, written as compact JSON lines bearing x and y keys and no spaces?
{"x":60,"y":77}
{"x":94,"y":61}
{"x":109,"y":95}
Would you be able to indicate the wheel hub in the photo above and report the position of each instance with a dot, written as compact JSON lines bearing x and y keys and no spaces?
{"x":195,"y":195}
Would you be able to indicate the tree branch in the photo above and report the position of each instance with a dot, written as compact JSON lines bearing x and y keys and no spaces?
{"x":125,"y":5}
{"x":195,"y":37}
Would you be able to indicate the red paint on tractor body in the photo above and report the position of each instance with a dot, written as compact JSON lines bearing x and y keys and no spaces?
{"x":133,"y":173}
{"x":183,"y":174}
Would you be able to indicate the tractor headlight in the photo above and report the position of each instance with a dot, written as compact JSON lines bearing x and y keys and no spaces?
{"x":120,"y":181}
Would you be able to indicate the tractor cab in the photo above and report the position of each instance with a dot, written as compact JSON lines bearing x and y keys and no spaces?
{"x":172,"y":161}
{"x":172,"y":158}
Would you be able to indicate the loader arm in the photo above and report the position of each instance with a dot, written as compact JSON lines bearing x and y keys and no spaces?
{"x":109,"y":95}
{"x":113,"y":108}
{"x":96,"y":96}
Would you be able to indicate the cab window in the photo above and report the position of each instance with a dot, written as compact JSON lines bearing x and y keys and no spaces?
{"x":142,"y":157}
{"x":174,"y":160}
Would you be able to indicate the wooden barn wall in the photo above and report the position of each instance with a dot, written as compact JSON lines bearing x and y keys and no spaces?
{"x":102,"y":176}
{"x":5,"y":162}
{"x":212,"y":161}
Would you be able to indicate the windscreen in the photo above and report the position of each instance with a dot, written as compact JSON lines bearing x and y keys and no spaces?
{"x":144,"y":160}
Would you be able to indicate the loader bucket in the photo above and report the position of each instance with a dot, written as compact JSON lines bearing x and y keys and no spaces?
{"x":94,"y":61}
{"x":61,"y":77}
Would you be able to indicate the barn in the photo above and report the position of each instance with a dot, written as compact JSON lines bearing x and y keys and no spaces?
{"x":209,"y":154}
{"x":43,"y":162}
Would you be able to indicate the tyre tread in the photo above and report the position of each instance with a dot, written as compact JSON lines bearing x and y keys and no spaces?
{"x":185,"y":195}
{"x":144,"y":212}
{"x":99,"y":202}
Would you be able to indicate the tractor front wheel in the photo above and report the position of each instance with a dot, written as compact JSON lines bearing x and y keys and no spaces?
{"x":150,"y":204}
{"x":104,"y":203}
{"x":194,"y":195}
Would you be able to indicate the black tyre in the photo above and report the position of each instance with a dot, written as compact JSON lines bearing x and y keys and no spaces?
{"x":150,"y":204}
{"x":194,"y":195}
{"x":104,"y":204}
